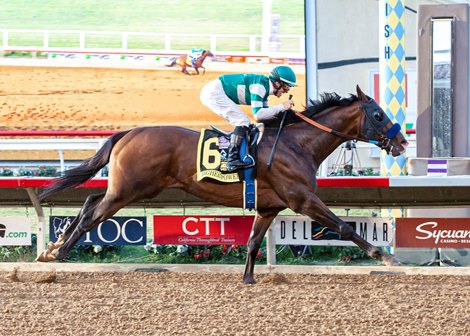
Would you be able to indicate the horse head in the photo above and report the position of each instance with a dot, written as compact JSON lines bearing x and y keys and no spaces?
{"x":378,"y":128}
{"x":207,"y":53}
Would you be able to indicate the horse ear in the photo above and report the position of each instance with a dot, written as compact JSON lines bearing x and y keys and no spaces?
{"x":361,"y":94}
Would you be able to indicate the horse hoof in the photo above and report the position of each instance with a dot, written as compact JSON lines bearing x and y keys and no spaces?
{"x":46,"y":256}
{"x":52,"y":246}
{"x":391,"y":261}
{"x":249,"y":281}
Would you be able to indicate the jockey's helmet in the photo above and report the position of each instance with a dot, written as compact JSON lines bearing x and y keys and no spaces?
{"x":284,"y":74}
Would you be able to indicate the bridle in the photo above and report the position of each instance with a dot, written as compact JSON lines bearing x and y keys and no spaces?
{"x":372,"y":124}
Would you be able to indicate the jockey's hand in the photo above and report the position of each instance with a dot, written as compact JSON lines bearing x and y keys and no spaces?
{"x":288,"y":104}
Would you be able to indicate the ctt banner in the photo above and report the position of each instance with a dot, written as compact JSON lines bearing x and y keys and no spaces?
{"x":113,"y":231}
{"x":202,"y":230}
{"x":433,"y":232}
{"x":15,"y":231}
{"x":300,"y":230}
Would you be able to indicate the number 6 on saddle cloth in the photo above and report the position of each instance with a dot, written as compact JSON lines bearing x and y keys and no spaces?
{"x":212,"y":155}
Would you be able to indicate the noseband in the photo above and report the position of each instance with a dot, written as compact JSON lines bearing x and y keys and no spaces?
{"x":374,"y":123}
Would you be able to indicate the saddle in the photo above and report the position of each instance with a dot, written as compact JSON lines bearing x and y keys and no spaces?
{"x":213,"y":154}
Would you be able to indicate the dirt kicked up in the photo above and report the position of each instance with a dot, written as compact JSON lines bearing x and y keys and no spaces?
{"x":170,"y":303}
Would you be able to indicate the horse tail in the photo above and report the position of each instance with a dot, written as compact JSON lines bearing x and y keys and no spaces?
{"x":86,"y":170}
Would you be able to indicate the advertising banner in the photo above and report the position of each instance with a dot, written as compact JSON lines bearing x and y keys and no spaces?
{"x":300,"y":230}
{"x":15,"y":231}
{"x":113,"y":231}
{"x":433,"y":232}
{"x":202,"y":230}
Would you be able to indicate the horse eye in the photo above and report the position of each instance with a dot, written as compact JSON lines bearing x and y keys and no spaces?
{"x":378,"y":116}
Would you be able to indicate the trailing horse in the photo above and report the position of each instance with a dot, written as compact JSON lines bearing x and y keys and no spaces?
{"x":184,"y":63}
{"x":144,"y":161}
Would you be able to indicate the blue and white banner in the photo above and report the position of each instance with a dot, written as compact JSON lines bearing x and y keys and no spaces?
{"x":113,"y":231}
{"x":15,"y":231}
{"x":301,"y":230}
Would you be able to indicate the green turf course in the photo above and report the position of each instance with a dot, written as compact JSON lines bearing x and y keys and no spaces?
{"x":155,"y":16}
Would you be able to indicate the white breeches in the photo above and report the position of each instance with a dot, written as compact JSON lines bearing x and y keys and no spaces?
{"x":214,"y":97}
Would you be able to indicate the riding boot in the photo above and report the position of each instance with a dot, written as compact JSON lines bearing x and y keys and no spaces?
{"x":234,"y":162}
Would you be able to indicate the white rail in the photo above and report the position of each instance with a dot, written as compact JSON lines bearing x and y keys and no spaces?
{"x":50,"y":145}
{"x":56,"y":40}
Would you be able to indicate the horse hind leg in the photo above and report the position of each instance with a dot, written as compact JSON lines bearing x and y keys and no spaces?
{"x":108,"y":206}
{"x":90,"y":203}
{"x":104,"y":210}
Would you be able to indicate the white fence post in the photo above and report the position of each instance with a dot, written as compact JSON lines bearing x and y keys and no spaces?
{"x":82,"y":40}
{"x":124,"y":39}
{"x":5,"y":39}
{"x":213,"y":46}
{"x":270,"y":247}
{"x":252,"y":43}
{"x":167,"y":42}
{"x":45,"y":39}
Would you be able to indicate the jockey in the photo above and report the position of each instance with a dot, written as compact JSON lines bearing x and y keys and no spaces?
{"x":223,"y":94}
{"x":194,"y":54}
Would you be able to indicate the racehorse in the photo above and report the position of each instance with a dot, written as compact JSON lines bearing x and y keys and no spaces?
{"x":182,"y":61}
{"x":144,"y":161}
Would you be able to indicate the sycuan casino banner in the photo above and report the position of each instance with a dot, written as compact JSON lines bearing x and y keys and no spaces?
{"x":202,"y":230}
{"x":113,"y":231}
{"x":433,"y":232}
{"x":15,"y":231}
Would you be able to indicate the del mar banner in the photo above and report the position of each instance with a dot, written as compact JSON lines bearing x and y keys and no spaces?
{"x":433,"y":232}
{"x":202,"y":230}
{"x":300,"y":230}
{"x":15,"y":231}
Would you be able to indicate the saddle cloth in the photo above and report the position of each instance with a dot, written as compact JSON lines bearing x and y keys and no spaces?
{"x":212,"y":155}
{"x":211,"y":163}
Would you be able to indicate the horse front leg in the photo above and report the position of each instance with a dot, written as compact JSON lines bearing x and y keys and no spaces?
{"x":260,"y":226}
{"x":314,"y":208}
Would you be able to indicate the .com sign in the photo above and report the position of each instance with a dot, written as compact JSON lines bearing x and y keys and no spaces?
{"x":113,"y":231}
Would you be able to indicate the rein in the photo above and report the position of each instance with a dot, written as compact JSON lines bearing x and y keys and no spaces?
{"x":329,"y":130}
{"x":384,"y":142}
{"x":332,"y":131}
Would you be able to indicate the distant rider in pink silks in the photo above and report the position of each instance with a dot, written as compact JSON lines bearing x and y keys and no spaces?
{"x":224,"y":94}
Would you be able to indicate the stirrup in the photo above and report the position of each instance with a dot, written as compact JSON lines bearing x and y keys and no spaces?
{"x":238,"y":165}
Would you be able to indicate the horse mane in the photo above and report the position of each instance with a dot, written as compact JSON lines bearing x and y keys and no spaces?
{"x":326,"y":101}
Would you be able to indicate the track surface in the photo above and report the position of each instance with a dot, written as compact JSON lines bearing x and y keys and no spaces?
{"x":219,"y":304}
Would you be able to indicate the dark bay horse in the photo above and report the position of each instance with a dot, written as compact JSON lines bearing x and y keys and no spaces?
{"x":144,"y":161}
{"x":182,"y":61}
